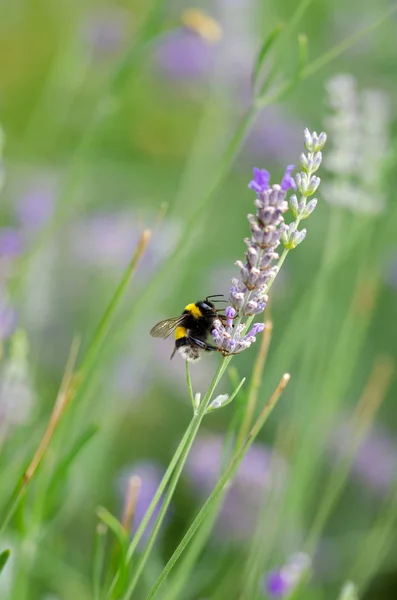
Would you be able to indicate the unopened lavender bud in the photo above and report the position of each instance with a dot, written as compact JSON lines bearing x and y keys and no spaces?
{"x":312,"y":185}
{"x":304,"y":162}
{"x":302,"y":181}
{"x":302,"y":205}
{"x":284,"y":234}
{"x":308,"y":139}
{"x":251,"y":307}
{"x":236,"y":299}
{"x":252,"y":255}
{"x":293,"y":204}
{"x":295,"y":239}
{"x":320,"y":142}
{"x":317,"y":160}
{"x":230,"y":314}
{"x":307,"y":211}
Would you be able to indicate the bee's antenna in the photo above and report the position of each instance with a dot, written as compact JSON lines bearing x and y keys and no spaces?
{"x":216,"y":296}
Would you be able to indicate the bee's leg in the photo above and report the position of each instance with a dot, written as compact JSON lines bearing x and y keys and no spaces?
{"x":203,"y":345}
{"x":172,"y":355}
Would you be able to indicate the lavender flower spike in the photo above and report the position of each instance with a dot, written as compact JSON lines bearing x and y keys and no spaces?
{"x":248,"y":294}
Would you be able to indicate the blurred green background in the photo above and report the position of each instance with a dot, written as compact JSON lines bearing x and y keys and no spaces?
{"x":118,"y":117}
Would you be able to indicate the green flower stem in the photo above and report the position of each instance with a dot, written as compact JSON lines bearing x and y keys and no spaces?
{"x":192,"y":432}
{"x":152,"y":506}
{"x":189,"y":386}
{"x":228,"y":474}
{"x":157,"y":497}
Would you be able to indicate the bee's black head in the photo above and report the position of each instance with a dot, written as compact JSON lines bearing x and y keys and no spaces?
{"x":206,"y":307}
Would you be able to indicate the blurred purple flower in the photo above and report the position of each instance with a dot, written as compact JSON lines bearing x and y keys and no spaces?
{"x":106,"y":31}
{"x":36,"y":205}
{"x":260,"y":472}
{"x":276,"y":585}
{"x":183,"y":54}
{"x":274,"y":136}
{"x":10,"y":243}
{"x":150,"y":474}
{"x":375,"y":463}
{"x":280,"y":583}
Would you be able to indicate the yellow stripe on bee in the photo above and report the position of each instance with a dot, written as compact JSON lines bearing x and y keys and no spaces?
{"x":180,"y":332}
{"x":194,"y":310}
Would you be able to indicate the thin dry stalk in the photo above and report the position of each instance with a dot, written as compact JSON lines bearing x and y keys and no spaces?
{"x":64,"y":396}
{"x":256,"y":381}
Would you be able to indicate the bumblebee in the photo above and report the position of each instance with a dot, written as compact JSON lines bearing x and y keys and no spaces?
{"x":191,"y":329}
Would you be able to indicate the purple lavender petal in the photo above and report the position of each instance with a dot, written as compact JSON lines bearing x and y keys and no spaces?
{"x":257,"y":328}
{"x":287,"y":181}
{"x":276,"y":585}
{"x":261,"y":180}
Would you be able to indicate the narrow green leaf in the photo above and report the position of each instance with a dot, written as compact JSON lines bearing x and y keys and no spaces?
{"x":266,"y":46}
{"x":115,"y":526}
{"x":4,"y":556}
{"x":62,"y":469}
{"x":99,"y":558}
{"x":211,"y":408}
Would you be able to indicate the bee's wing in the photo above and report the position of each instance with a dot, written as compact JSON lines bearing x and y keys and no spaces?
{"x":165,"y":328}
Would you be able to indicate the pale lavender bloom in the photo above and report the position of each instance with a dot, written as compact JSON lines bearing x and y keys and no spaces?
{"x":11,"y":244}
{"x":282,"y":582}
{"x":359,"y":125}
{"x":184,"y":55}
{"x":260,"y":472}
{"x":375,"y":463}
{"x":150,"y":474}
